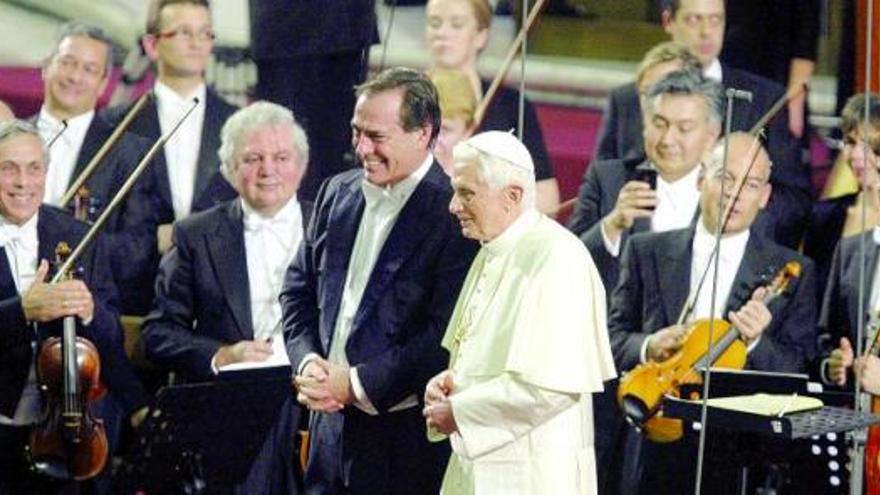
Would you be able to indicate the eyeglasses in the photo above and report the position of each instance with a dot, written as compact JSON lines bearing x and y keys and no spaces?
{"x":186,"y":34}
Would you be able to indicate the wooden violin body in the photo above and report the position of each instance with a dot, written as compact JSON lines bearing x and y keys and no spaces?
{"x":69,"y":442}
{"x":641,"y":391}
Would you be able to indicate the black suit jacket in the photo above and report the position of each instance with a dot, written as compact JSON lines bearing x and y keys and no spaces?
{"x":202,"y":293}
{"x":840,"y":306}
{"x":823,"y":235}
{"x":395,"y":336}
{"x":655,"y":280}
{"x":104,"y":331}
{"x":620,"y":136}
{"x":596,"y":198}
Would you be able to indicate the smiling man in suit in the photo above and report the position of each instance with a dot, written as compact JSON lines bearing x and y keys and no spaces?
{"x":217,"y":289}
{"x":368,"y":297}
{"x":699,"y":25}
{"x":661,"y":271}
{"x":31,"y":309}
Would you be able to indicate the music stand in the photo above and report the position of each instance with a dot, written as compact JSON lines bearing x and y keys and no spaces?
{"x":817,"y":433}
{"x":203,"y":437}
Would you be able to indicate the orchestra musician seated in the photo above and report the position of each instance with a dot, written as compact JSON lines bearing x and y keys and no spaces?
{"x":217,"y":291}
{"x":661,"y":272}
{"x":31,"y":309}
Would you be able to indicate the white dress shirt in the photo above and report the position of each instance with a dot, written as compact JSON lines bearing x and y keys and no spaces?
{"x":714,"y":71}
{"x":21,"y":246}
{"x":182,"y":150}
{"x":64,"y":153}
{"x":733,"y":248}
{"x":270,"y":245}
{"x":383,"y":206}
{"x":677,"y":203}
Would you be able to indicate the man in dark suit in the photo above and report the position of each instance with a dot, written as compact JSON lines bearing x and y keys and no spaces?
{"x":699,"y":24}
{"x":31,"y":309}
{"x":74,"y":76}
{"x":179,"y":40}
{"x":683,"y":114}
{"x":660,"y":272}
{"x":217,"y":289}
{"x":309,"y":55}
{"x":368,"y":297}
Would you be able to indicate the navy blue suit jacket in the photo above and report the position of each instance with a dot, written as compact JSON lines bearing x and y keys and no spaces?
{"x":621,"y":137}
{"x":654,"y":282}
{"x":104,"y":331}
{"x":395,"y":336}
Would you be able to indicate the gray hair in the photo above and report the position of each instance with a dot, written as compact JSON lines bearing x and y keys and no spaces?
{"x":15,"y":127}
{"x":713,"y":160}
{"x":690,"y":83}
{"x":256,"y":116}
{"x":495,"y":171}
{"x":80,"y":29}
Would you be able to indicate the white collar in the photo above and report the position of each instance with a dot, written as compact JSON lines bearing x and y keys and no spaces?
{"x":288,"y":213}
{"x":714,"y":71}
{"x":686,"y":184}
{"x":26,"y":232}
{"x":400,"y":192}
{"x":506,"y":240}
{"x":76,"y":126}
{"x":164,"y":93}
{"x":731,"y":245}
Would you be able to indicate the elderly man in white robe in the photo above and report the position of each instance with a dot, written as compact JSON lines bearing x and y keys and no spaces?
{"x":528,"y":341}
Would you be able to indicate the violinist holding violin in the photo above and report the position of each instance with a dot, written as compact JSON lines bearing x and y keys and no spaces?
{"x":661,"y":272}
{"x":31,"y":309}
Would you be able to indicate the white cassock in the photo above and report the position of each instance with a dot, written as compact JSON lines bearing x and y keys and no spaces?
{"x":529,"y":345}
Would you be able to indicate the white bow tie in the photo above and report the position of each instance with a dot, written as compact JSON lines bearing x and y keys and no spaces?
{"x":278,"y":225}
{"x":18,"y":237}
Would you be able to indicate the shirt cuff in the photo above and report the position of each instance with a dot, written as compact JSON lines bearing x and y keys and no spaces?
{"x":613,"y":248}
{"x":306,"y":360}
{"x":361,"y":401}
{"x":214,"y":368}
{"x":643,"y":351}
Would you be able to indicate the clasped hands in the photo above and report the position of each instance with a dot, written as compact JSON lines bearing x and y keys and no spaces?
{"x":438,"y":409}
{"x":44,"y":302}
{"x":324,"y":386}
{"x":750,"y":321}
{"x":866,"y":368}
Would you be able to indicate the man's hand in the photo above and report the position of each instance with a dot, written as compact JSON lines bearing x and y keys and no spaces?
{"x":666,"y":342}
{"x":439,"y":417}
{"x":324,"y":386}
{"x":164,"y":238}
{"x":439,"y":388}
{"x":245,"y":350}
{"x":752,"y":318}
{"x":868,"y":370}
{"x":840,"y":359}
{"x":797,"y":114}
{"x":635,"y":200}
{"x":44,"y":302}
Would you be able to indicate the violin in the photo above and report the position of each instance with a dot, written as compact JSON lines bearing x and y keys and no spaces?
{"x":642,"y":390}
{"x":69,"y":442}
{"x":872,"y":444}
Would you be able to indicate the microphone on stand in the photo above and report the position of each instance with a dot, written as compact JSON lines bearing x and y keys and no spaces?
{"x":738,"y":94}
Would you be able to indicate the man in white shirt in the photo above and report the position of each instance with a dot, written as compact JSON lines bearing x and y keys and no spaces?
{"x":661,"y":271}
{"x":368,"y":296}
{"x":179,"y":39}
{"x":682,"y":121}
{"x":31,"y":309}
{"x":527,"y":340}
{"x":217,"y":289}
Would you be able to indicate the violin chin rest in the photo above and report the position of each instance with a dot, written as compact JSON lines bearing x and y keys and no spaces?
{"x":635,"y":410}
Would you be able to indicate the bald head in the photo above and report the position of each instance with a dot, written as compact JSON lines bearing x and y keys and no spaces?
{"x":5,"y":112}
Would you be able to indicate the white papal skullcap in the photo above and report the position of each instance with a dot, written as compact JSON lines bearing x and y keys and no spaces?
{"x":503,"y":145}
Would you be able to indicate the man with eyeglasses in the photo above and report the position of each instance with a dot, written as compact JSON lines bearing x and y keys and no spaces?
{"x":179,"y":40}
{"x":661,"y":271}
{"x":700,"y":25}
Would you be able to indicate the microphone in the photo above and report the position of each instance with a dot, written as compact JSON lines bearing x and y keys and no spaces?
{"x":58,"y":135}
{"x":739,"y":94}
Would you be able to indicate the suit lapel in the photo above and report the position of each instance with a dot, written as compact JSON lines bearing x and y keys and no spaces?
{"x":206,"y":165}
{"x":96,"y":135}
{"x":411,"y":226}
{"x":673,"y":262}
{"x":227,"y":251}
{"x":342,"y":227}
{"x":7,"y":284}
